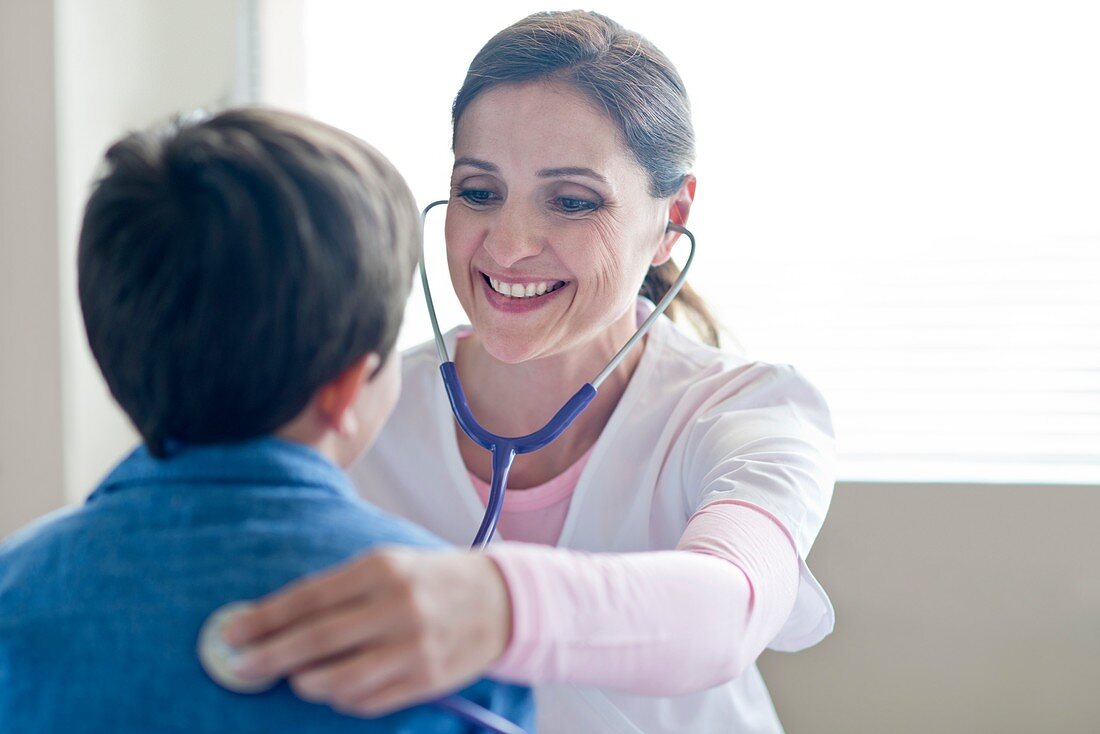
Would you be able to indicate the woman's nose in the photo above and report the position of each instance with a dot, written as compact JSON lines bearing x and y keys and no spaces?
{"x":513,"y":236}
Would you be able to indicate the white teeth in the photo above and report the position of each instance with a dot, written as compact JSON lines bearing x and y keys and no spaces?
{"x":530,"y":290}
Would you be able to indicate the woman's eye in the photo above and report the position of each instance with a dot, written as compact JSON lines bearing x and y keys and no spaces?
{"x":572,"y":205}
{"x":476,"y":196}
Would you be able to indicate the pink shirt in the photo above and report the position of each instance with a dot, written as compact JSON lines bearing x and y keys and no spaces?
{"x":706,"y":610}
{"x":536,"y":515}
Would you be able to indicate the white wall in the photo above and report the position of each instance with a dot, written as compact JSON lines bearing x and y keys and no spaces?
{"x":30,"y":349}
{"x":960,"y":608}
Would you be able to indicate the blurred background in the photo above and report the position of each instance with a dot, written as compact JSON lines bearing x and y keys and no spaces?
{"x":901,"y":199}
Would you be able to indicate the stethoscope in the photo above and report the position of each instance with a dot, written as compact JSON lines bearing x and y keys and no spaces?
{"x":216,"y":655}
{"x":217,"y":658}
{"x":504,"y":449}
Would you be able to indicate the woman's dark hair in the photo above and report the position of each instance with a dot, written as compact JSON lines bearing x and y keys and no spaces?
{"x":230,"y":266}
{"x":624,"y":74}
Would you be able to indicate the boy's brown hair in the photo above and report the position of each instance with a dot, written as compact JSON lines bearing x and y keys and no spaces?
{"x":230,"y":266}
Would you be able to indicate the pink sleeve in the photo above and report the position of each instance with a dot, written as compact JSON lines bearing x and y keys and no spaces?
{"x":656,"y":623}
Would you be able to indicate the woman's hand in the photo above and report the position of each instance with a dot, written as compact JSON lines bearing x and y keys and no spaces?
{"x":389,"y":629}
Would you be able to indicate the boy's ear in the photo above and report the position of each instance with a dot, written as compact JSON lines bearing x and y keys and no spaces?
{"x":677,"y":214}
{"x":335,"y":398}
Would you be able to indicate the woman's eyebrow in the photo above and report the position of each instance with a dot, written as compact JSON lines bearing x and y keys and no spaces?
{"x":544,"y":173}
{"x":571,"y":171}
{"x":476,"y":163}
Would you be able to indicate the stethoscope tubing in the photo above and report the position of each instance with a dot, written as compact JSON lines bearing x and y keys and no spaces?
{"x":478,"y":715}
{"x":504,"y":449}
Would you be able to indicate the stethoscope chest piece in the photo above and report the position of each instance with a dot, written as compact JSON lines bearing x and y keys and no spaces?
{"x":217,"y":656}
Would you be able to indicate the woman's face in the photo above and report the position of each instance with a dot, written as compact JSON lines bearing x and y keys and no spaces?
{"x":545,"y":196}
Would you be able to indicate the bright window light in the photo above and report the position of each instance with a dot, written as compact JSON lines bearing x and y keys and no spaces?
{"x":902,"y":200}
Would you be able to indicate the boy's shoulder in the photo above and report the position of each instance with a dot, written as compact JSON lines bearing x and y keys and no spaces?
{"x":39,"y":530}
{"x":258,"y":535}
{"x":38,"y":560}
{"x":32,"y":542}
{"x":128,"y":578}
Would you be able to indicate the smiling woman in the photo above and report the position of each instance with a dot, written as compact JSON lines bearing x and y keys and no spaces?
{"x":684,"y":499}
{"x":544,"y":191}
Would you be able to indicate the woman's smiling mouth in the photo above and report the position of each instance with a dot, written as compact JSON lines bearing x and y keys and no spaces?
{"x":520,"y":297}
{"x":523,"y":290}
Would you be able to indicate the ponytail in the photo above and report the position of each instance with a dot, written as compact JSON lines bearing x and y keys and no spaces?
{"x":658,"y":282}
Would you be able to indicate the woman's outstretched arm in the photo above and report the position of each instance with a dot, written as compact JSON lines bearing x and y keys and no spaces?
{"x":400,"y":626}
{"x":654,"y":623}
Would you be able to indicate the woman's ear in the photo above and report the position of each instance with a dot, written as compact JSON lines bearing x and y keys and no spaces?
{"x":678,"y":209}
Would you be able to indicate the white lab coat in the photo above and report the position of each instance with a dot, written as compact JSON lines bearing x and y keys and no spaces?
{"x":693,"y":425}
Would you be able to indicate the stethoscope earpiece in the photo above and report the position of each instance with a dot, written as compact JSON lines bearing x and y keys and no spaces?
{"x":504,"y":449}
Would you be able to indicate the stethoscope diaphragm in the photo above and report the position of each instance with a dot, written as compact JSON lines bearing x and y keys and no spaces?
{"x":218,"y":656}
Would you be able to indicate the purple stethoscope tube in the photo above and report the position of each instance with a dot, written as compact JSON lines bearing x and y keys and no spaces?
{"x":477,"y":715}
{"x":504,"y":449}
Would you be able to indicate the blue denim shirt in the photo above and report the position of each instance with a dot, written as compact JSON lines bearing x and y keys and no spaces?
{"x":100,"y":607}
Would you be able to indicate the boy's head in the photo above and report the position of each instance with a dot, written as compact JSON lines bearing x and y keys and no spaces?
{"x":244,"y":273}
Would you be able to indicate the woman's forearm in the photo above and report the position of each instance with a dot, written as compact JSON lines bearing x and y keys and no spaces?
{"x":654,"y":623}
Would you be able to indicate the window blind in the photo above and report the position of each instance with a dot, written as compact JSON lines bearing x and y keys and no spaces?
{"x":979,"y":365}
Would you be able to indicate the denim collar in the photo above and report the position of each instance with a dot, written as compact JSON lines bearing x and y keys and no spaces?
{"x":267,"y":461}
